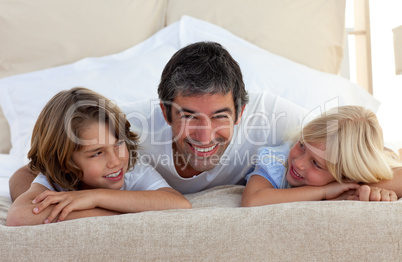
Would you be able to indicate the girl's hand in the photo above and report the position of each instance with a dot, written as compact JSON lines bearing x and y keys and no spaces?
{"x":65,"y":202}
{"x":334,"y":190}
{"x":370,"y":193}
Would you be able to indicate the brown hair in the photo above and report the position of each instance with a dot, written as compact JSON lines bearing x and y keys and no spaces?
{"x":56,"y":134}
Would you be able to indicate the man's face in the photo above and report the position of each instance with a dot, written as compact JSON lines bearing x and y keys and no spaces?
{"x":202,"y":129}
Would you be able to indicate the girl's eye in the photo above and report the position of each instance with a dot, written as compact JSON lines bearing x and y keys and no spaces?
{"x":316,"y":164}
{"x":301,"y":145}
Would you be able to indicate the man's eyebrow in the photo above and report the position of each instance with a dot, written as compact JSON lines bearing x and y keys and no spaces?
{"x":186,"y":110}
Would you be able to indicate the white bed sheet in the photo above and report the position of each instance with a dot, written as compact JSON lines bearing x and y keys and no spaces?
{"x":8,"y":165}
{"x":134,"y":75}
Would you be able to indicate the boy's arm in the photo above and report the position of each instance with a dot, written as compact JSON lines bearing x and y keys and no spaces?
{"x":259,"y":191}
{"x":21,"y":211}
{"x":122,"y":201}
{"x":20,"y":181}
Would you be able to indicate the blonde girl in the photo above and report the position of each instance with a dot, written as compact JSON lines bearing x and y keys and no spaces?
{"x":84,"y":154}
{"x":333,"y":155}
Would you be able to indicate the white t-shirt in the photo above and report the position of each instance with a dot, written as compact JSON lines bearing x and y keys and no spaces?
{"x":142,"y":177}
{"x":265,"y":120}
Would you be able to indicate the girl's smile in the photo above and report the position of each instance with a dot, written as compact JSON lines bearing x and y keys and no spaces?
{"x":306,"y":168}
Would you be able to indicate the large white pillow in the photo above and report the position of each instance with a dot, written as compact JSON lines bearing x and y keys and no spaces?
{"x":128,"y":76}
{"x":134,"y":75}
{"x":264,"y":71}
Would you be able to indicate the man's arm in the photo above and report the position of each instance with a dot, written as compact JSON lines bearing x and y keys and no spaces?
{"x":20,"y":181}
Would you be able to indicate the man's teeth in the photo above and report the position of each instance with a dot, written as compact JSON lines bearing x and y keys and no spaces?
{"x":204,"y":150}
{"x":114,"y":174}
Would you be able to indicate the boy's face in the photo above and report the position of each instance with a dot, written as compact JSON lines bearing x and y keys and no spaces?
{"x":307,"y":168}
{"x":202,"y":129}
{"x":103,"y":159}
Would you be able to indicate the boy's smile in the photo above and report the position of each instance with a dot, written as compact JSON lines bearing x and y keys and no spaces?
{"x":103,"y":159}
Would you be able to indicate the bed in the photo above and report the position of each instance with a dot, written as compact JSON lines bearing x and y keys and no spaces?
{"x":293,"y":49}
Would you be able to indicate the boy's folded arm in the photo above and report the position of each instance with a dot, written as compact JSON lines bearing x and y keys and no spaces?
{"x":138,"y":201}
{"x":21,"y":212}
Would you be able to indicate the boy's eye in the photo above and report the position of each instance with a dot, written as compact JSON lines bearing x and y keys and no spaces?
{"x":120,"y":142}
{"x":96,"y":154}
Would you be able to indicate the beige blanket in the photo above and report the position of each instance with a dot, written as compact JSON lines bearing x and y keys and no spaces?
{"x":216,"y":229}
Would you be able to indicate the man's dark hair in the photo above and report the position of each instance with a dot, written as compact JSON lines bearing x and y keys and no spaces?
{"x":202,"y":68}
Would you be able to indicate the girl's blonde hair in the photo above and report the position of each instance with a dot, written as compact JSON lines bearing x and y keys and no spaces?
{"x":354,"y":144}
{"x":56,"y":134}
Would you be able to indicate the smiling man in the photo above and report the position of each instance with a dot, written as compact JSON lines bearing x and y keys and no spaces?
{"x":202,"y":134}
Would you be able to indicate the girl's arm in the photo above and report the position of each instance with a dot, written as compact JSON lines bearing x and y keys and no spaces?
{"x":259,"y":191}
{"x":395,"y":184}
{"x":21,"y":211}
{"x":122,"y":201}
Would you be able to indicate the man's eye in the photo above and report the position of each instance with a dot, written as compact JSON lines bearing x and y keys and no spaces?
{"x":221,"y":116}
{"x":187,"y":117}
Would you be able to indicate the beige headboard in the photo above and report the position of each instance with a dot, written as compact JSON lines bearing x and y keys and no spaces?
{"x":45,"y":33}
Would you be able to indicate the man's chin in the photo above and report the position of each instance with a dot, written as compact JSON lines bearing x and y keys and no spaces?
{"x":202,"y":167}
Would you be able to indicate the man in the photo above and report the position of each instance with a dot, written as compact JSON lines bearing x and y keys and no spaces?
{"x":202,"y":134}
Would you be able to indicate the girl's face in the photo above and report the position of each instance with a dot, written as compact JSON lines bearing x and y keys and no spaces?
{"x":103,"y":159}
{"x":306,"y":167}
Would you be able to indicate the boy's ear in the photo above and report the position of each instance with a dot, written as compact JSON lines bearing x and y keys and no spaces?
{"x":164,"y":112}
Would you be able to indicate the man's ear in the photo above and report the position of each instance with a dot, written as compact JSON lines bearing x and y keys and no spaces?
{"x":240,"y":114}
{"x":164,"y":112}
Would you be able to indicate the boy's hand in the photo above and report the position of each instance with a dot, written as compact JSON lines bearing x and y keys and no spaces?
{"x":65,"y":202}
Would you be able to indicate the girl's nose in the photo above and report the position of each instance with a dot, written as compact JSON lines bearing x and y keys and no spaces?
{"x":299,"y":162}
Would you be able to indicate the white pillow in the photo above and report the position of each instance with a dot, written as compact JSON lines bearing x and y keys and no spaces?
{"x":264,"y":71}
{"x":131,"y":75}
{"x":8,"y":165}
{"x":134,"y":75}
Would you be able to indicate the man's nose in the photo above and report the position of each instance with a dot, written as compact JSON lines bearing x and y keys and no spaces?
{"x":203,"y":131}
